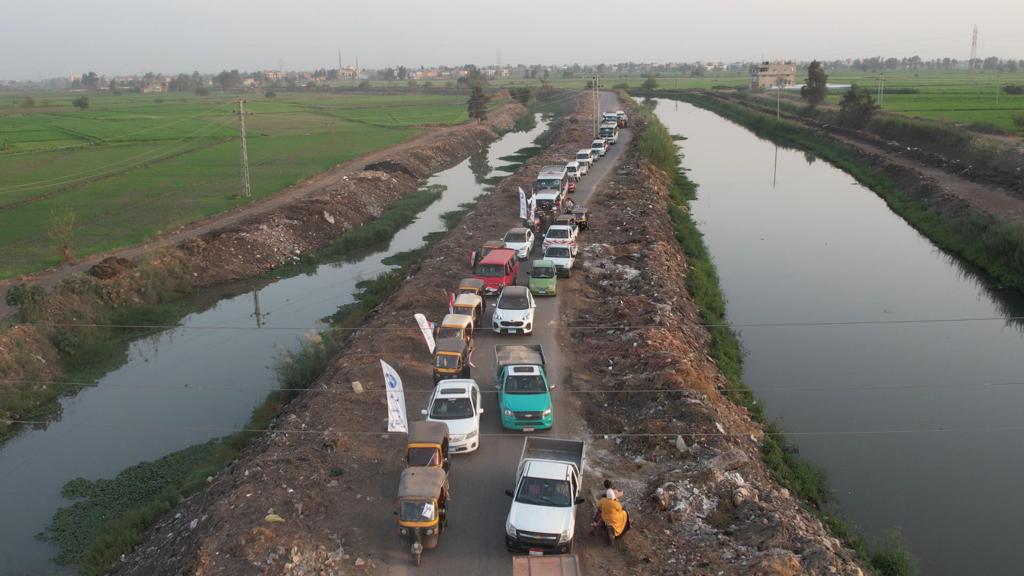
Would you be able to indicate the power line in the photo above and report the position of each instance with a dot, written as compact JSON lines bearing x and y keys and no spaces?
{"x":343,"y":392}
{"x":610,"y":434}
{"x":808,"y":324}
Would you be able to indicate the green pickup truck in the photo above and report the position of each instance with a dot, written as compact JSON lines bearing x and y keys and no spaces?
{"x":524,"y":395}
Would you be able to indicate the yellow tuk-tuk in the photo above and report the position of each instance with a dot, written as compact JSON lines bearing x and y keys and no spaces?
{"x":451,"y":359}
{"x":473,"y":286}
{"x":427,"y":445}
{"x":471,"y":305}
{"x":456,"y":326}
{"x":422,"y":508}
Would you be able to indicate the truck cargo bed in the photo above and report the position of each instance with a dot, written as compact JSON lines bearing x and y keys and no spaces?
{"x":553,"y":449}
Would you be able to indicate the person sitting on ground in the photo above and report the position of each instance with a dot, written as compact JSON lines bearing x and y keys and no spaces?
{"x":612,"y":513}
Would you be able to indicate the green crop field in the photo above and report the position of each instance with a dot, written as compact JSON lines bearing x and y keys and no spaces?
{"x":133,"y":165}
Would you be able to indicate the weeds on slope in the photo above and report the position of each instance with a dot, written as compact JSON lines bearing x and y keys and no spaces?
{"x":803,"y":478}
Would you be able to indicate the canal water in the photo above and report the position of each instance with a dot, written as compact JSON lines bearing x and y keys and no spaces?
{"x":197,"y":382}
{"x":915,"y":413}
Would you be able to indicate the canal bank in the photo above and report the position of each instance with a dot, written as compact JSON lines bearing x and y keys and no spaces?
{"x":877,"y":351}
{"x":202,"y":379}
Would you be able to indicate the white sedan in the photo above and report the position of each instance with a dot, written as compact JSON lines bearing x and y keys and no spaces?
{"x":513,"y":314}
{"x":457,"y":404}
{"x":520,"y":240}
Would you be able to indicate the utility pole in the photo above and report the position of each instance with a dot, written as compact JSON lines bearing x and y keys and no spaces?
{"x":246,"y":184}
{"x":256,"y":305}
{"x":593,"y":83}
{"x":778,"y":100}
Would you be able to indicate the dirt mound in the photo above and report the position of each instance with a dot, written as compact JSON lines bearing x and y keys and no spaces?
{"x":391,"y":167}
{"x":110,"y":267}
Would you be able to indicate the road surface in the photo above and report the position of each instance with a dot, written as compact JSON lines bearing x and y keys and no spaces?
{"x":474,"y":542}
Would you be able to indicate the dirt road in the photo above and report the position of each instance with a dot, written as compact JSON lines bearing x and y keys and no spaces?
{"x":315,"y":184}
{"x":475,"y":540}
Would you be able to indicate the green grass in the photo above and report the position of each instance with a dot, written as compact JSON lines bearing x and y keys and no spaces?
{"x":133,"y":166}
{"x":804,"y":479}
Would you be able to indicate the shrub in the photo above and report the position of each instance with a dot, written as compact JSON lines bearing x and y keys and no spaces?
{"x":1013,"y":89}
{"x":856,"y":108}
{"x":82,"y":102}
{"x":1018,"y":119}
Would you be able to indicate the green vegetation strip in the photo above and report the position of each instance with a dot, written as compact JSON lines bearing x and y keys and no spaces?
{"x":806,"y":480}
{"x":996,"y":246}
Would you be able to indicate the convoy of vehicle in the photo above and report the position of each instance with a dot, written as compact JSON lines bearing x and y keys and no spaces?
{"x":541,"y":518}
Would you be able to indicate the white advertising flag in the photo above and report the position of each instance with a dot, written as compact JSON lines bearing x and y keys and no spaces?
{"x":533,"y":208}
{"x":428,"y":334}
{"x":522,"y":204}
{"x":397,"y":421}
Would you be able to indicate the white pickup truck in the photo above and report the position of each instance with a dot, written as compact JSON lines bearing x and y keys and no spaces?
{"x":542,"y":518}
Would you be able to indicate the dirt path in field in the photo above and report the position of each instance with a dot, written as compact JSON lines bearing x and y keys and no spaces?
{"x":51,"y":277}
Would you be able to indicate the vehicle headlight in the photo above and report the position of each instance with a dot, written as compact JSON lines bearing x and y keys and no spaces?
{"x":546,"y":412}
{"x":565,"y":536}
{"x":430,"y":531}
{"x":507,"y":412}
{"x":510,"y":529}
{"x":472,"y":434}
{"x":405,"y":531}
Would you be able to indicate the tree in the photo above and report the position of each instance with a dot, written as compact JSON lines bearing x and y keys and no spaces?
{"x":62,"y":232}
{"x":91,"y":81}
{"x":856,"y":107}
{"x":816,"y":87}
{"x":81,"y":102}
{"x":521,"y":94}
{"x":649,"y":85}
{"x":270,"y":94}
{"x":28,"y":102}
{"x":202,"y":91}
{"x":478,"y":103}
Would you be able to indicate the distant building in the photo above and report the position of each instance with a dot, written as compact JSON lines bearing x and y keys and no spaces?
{"x":768,"y":74}
{"x":274,"y":75}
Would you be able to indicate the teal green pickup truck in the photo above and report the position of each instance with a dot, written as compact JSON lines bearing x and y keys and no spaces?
{"x":524,"y":395}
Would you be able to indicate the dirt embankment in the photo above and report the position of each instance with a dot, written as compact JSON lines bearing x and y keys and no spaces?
{"x":688,"y":458}
{"x":239,"y":246}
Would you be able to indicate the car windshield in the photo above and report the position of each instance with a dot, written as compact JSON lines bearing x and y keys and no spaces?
{"x":513,"y":302}
{"x":606,"y":131}
{"x":417,"y":511}
{"x":545,"y":204}
{"x":547,"y":184}
{"x":530,"y":384}
{"x":424,"y":456}
{"x":449,"y":332}
{"x":490,"y":270}
{"x":556,"y":252}
{"x":465,"y":310}
{"x":543,"y":272}
{"x":446,"y":361}
{"x":558,"y":233}
{"x":451,"y":409}
{"x":545,"y":492}
{"x":515,"y":237}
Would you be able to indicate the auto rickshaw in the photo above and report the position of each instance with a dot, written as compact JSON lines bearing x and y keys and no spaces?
{"x":451,"y":359}
{"x":428,"y":445}
{"x":471,"y":305}
{"x":422,"y":508}
{"x":473,"y":286}
{"x":456,"y":326}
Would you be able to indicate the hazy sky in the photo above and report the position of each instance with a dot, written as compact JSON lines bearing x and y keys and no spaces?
{"x":45,"y":38}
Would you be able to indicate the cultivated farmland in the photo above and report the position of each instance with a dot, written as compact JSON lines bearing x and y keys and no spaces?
{"x":132,"y":165}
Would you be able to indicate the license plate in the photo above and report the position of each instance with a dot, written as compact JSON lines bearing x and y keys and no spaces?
{"x":536,"y":552}
{"x":528,"y":429}
{"x":511,"y":330}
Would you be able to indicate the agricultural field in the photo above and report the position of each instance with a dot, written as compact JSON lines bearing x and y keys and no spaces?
{"x":132,"y":165}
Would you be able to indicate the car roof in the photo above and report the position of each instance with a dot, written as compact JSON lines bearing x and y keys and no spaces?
{"x":451,"y":345}
{"x":598,"y":141}
{"x":559,"y":226}
{"x":548,"y":470}
{"x":498,"y":256}
{"x":572,"y":163}
{"x":518,"y":230}
{"x":456,"y":320}
{"x":473,"y":299}
{"x":460,"y":388}
{"x":515,"y":291}
{"x":583,"y":151}
{"x":421,"y":481}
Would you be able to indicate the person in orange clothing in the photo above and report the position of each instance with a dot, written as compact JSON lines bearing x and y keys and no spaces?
{"x":610,"y":512}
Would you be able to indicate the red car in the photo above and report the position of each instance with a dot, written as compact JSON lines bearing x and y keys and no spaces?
{"x":498,"y":269}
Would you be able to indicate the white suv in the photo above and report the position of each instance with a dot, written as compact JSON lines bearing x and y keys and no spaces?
{"x":513,"y":314}
{"x":520,"y":240}
{"x":457,"y":404}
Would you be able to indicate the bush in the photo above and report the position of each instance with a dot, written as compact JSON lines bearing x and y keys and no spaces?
{"x":271,"y":94}
{"x":202,"y":91}
{"x":24,"y":294}
{"x":1013,"y":89}
{"x":28,"y":102}
{"x":82,"y":102}
{"x":856,"y":108}
{"x":1018,"y":119}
